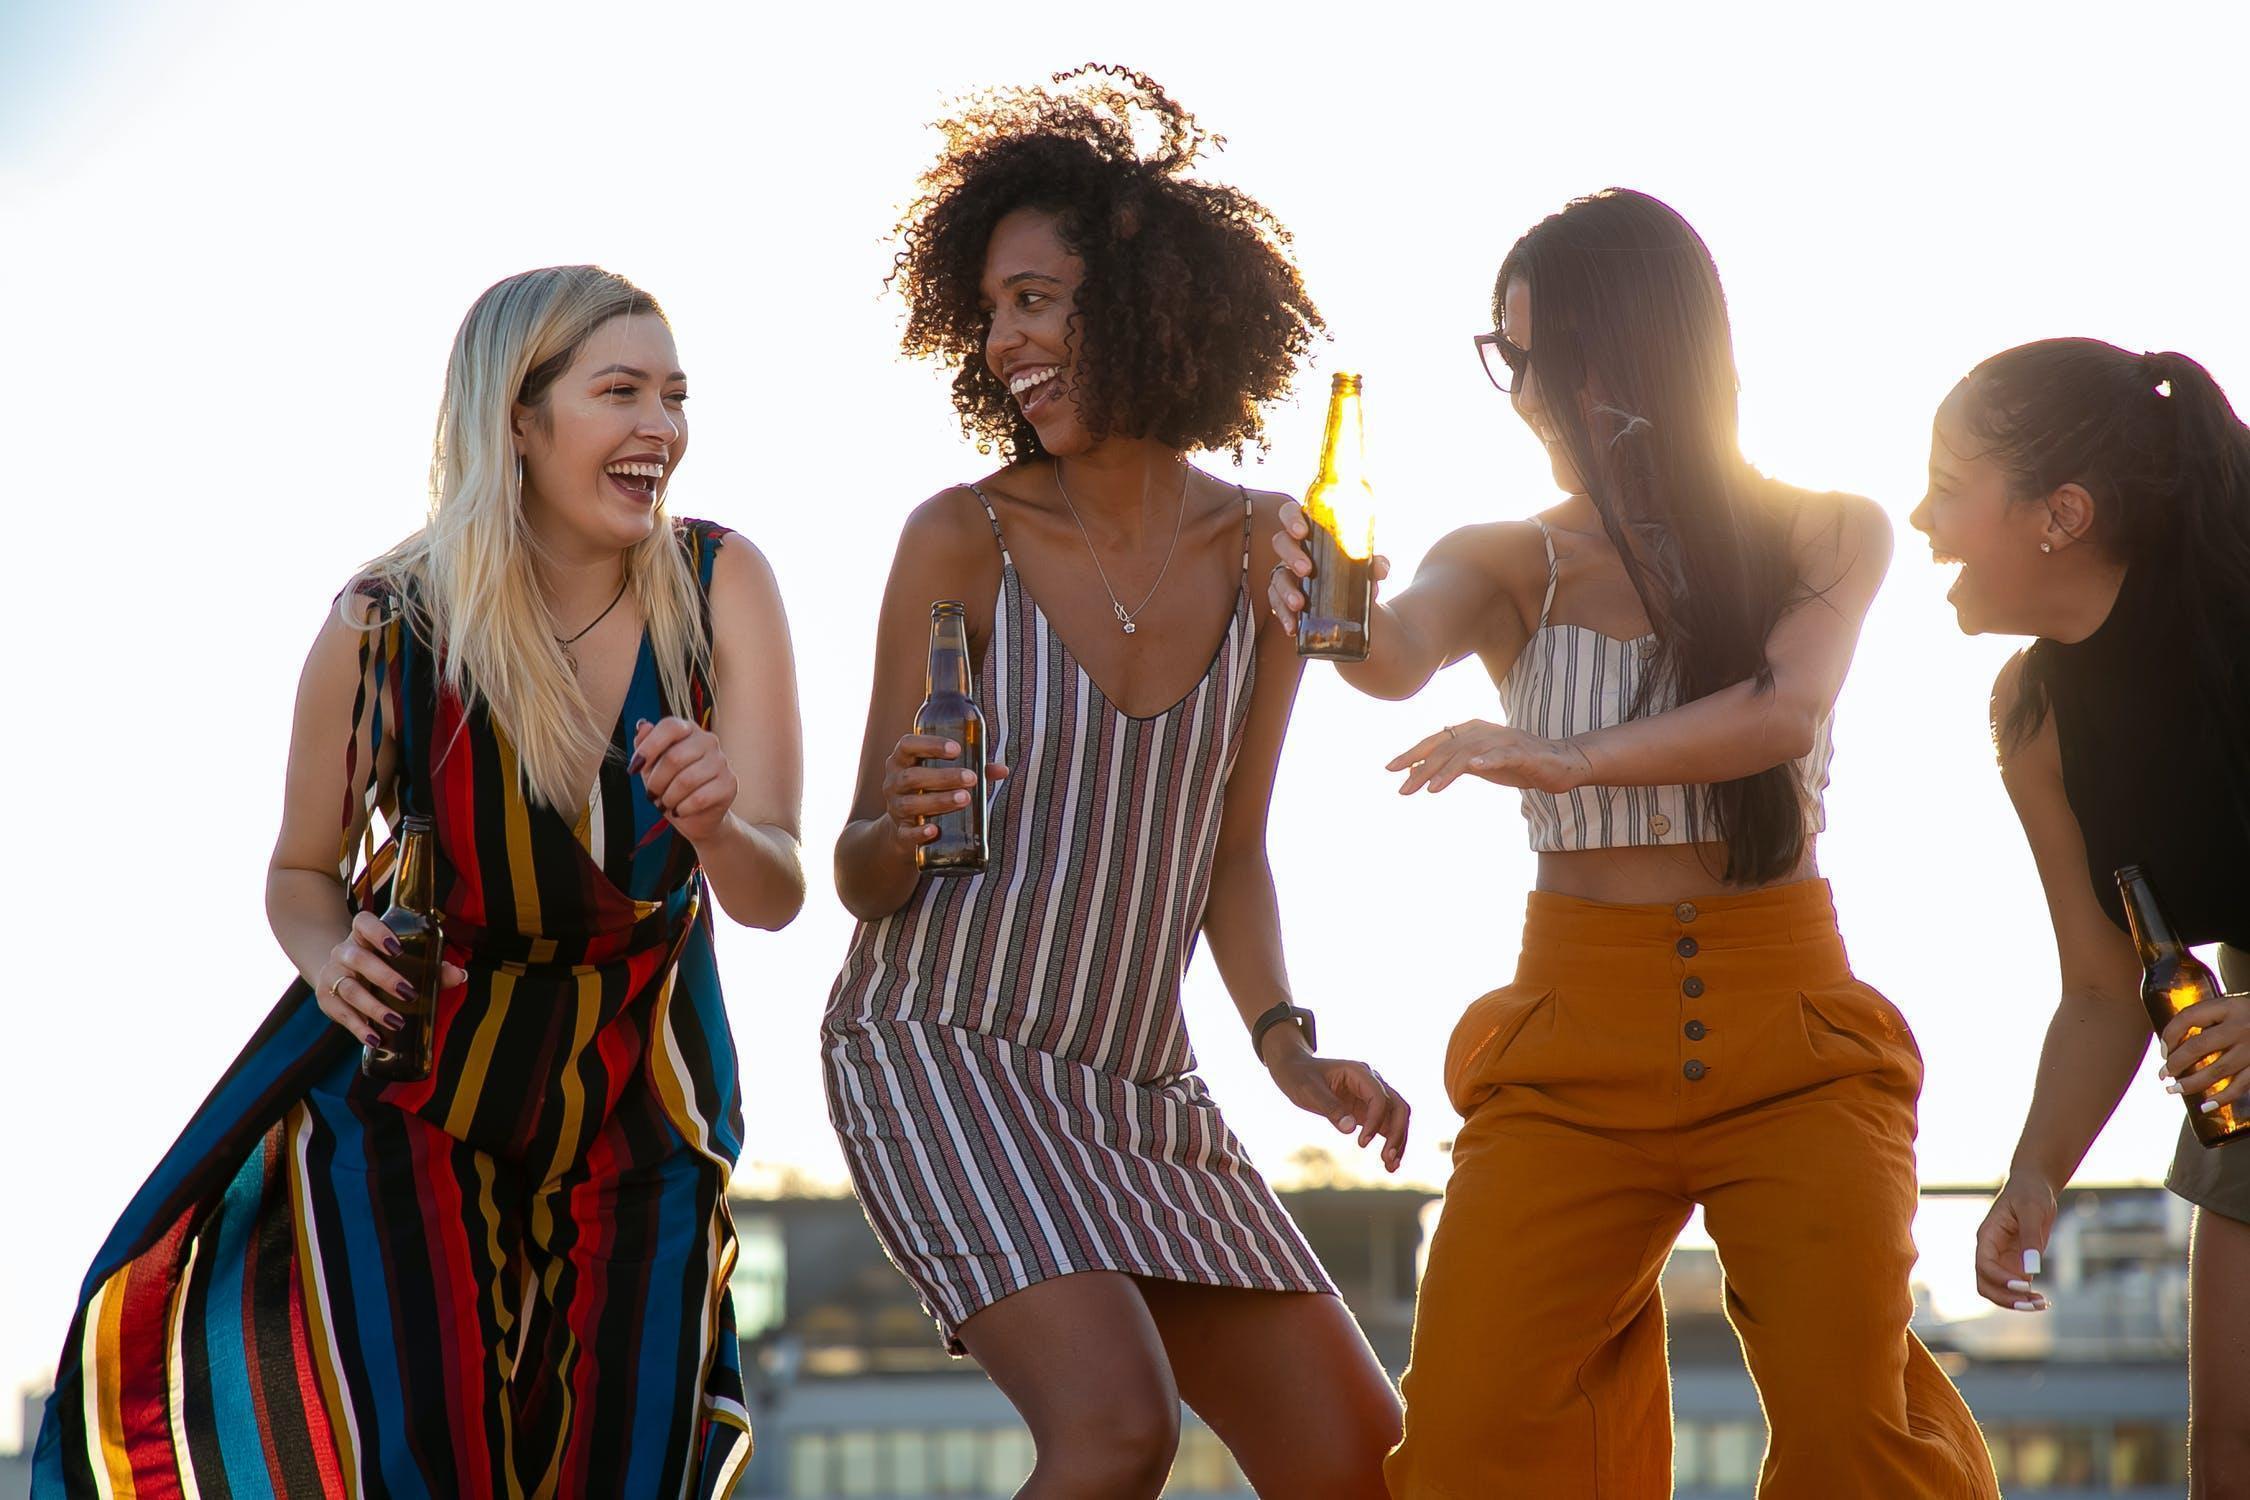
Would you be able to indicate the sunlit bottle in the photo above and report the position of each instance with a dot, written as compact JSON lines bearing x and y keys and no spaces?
{"x":950,"y":713}
{"x":415,"y":921}
{"x":2172,"y":979}
{"x":1340,"y":508}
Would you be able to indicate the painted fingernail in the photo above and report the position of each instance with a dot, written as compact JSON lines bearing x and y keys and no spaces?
{"x":640,"y":724}
{"x":2031,"y":1263}
{"x":2027,"y":1307}
{"x":374,"y":1041}
{"x":393,"y":1020}
{"x":2209,"y":1106}
{"x":2171,"y":1088}
{"x":2019,"y":1286}
{"x":405,"y":991}
{"x":393,"y":946}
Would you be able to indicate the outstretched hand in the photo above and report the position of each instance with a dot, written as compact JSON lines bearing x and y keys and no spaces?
{"x":1351,"y":1095}
{"x":1496,"y":753}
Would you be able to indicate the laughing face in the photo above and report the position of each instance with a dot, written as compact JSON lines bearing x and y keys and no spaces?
{"x":1029,"y":289}
{"x":1974,"y":525}
{"x":599,"y":451}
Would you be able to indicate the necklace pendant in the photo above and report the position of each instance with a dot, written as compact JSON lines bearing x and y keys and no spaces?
{"x":1123,"y":618}
{"x":1128,"y":627}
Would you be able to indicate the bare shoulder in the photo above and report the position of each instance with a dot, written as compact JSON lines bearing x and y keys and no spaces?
{"x":1835,"y":523}
{"x":743,"y":585}
{"x":949,"y":530}
{"x":1508,"y":557}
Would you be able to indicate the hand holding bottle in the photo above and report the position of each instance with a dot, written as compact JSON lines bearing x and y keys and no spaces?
{"x":1284,"y":591}
{"x":2218,"y":1052}
{"x":354,"y":988}
{"x":915,"y":793}
{"x":2012,"y":1239}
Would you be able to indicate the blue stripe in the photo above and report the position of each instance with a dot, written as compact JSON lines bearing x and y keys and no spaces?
{"x":381,"y":1382}
{"x":234,"y":1410}
{"x":658,"y":1394}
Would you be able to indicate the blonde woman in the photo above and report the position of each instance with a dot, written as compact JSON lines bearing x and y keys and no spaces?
{"x":510,"y":1277}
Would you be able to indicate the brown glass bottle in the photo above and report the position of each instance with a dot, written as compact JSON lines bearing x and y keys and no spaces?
{"x":950,"y":713}
{"x":2172,"y":979}
{"x":414,"y":920}
{"x":1340,"y":510}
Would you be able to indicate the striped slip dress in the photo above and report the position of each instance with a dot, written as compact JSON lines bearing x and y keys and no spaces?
{"x":1007,"y":1065}
{"x":507,"y":1280}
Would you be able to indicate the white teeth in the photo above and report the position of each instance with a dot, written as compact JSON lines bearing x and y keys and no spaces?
{"x":638,"y":471}
{"x":1029,"y":378}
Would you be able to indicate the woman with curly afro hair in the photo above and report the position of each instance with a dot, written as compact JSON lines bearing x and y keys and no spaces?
{"x":1006,"y":1059}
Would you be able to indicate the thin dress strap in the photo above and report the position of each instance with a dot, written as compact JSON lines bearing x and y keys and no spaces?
{"x":993,"y":517}
{"x":1249,"y":515}
{"x":1547,"y":605}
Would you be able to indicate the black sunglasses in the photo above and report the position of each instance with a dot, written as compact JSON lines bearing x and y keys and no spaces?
{"x":1503,"y":362}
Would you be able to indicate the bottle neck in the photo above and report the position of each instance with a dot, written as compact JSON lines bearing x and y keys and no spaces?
{"x":1342,"y":442}
{"x":949,"y":656}
{"x":414,"y":885}
{"x":2153,"y":934}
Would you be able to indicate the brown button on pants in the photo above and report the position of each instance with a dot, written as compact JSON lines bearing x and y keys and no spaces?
{"x":1647,"y":1059}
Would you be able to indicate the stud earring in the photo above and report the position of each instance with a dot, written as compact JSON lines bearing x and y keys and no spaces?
{"x":2043,"y":546}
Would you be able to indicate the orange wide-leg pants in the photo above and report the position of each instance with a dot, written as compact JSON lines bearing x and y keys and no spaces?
{"x":1647,"y":1059}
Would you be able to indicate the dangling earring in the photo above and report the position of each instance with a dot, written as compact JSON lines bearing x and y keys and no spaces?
{"x":519,"y":478}
{"x":2043,"y":546}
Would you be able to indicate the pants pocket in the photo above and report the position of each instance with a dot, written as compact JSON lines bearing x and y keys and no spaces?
{"x":1481,"y":1040}
{"x":1852,"y":1029}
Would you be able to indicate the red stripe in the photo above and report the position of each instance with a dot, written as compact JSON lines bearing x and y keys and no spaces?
{"x":143,"y":1398}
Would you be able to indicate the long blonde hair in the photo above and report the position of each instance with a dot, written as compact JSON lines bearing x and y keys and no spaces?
{"x":467,"y":575}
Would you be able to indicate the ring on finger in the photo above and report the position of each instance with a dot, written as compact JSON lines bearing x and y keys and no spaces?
{"x":336,"y":985}
{"x":1449,"y":733}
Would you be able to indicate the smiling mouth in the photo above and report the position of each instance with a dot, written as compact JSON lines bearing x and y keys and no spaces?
{"x":637,"y":479}
{"x":1034,"y":387}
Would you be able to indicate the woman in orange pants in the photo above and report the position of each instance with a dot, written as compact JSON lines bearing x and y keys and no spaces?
{"x":1683,"y":1027}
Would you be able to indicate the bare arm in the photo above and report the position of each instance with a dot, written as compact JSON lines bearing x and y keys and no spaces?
{"x":946,"y":551}
{"x":1459,"y":603}
{"x":2099,"y":1032}
{"x":306,"y":902}
{"x":1242,"y":917}
{"x":1737,"y":731}
{"x":738,"y":792}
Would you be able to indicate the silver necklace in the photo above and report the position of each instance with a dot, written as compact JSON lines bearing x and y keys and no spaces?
{"x":1117,"y":605}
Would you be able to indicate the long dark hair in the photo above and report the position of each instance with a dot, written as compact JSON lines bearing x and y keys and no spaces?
{"x":1635,"y":358}
{"x":2154,"y":441}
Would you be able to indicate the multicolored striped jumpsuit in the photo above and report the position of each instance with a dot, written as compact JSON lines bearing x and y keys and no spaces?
{"x":507,"y":1280}
{"x":1008,"y":1068}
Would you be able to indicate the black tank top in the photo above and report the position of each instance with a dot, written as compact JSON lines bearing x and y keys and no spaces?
{"x":2145,"y":768}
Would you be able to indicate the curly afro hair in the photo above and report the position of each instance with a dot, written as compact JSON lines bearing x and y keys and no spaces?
{"x":1191,"y":314}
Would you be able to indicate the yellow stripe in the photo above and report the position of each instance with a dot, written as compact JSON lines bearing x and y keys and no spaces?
{"x":586,"y":997}
{"x":105,"y":1325}
{"x":516,"y":816}
{"x":343,"y":1425}
{"x":461,"y":1111}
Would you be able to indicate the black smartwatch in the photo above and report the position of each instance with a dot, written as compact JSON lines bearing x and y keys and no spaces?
{"x":1283,"y":1014}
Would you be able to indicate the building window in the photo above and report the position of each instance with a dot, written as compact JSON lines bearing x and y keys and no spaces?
{"x":1007,"y":1460}
{"x":757,"y":1283}
{"x":808,"y":1466}
{"x":2043,"y":1456}
{"x":956,"y":1470}
{"x":857,"y":1477}
{"x":2151,"y":1454}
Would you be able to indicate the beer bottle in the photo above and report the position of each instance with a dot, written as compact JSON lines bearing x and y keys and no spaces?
{"x":950,"y":713}
{"x":1340,"y":508}
{"x":2172,"y":979}
{"x":414,"y":920}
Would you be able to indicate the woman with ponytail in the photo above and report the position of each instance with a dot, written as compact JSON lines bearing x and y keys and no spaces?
{"x":508,"y":1277}
{"x":1683,"y":1028}
{"x":2100,"y":500}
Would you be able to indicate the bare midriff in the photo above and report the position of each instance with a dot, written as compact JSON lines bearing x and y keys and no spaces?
{"x":1650,"y":874}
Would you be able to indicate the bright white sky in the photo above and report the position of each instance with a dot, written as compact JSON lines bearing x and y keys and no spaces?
{"x":239,"y":237}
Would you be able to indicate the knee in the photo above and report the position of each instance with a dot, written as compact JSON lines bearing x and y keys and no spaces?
{"x":1124,"y":1450}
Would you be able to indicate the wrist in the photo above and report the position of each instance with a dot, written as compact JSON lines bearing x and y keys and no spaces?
{"x":1281,"y":1031}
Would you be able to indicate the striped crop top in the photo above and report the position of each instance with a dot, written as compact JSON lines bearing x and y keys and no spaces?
{"x":1572,"y":679}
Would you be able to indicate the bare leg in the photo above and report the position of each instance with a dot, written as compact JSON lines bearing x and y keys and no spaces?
{"x":2219,"y":1357}
{"x":1286,"y":1381}
{"x":1081,"y":1360}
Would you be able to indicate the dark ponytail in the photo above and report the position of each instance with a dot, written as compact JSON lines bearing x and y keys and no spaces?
{"x":2155,"y":442}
